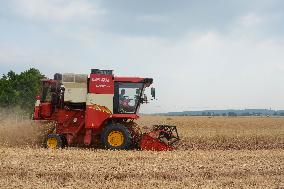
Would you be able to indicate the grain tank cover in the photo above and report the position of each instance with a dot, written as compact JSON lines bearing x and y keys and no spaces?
{"x":103,"y":72}
{"x":75,"y":87}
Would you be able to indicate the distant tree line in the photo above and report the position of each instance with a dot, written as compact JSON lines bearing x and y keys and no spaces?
{"x":20,"y":90}
{"x":232,"y":113}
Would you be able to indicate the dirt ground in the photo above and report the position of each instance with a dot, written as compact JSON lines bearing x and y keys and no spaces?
{"x":218,"y":152}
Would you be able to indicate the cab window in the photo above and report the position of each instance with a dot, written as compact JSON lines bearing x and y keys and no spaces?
{"x":127,"y":96}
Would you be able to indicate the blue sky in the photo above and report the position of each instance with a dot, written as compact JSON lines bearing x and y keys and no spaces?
{"x":202,"y":54}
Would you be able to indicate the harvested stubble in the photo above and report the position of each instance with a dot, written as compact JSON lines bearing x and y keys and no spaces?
{"x":224,"y":133}
{"x":81,"y":168}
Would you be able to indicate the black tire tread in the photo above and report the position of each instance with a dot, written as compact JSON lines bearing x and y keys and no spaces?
{"x":127,"y":136}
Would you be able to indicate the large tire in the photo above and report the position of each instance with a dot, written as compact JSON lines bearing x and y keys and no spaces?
{"x":116,"y":137}
{"x":55,"y":141}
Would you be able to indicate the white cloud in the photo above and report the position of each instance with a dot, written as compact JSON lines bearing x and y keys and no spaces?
{"x":57,"y":10}
{"x":204,"y":70}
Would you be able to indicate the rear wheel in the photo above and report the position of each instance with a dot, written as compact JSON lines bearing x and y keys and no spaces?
{"x":116,"y":137}
{"x":55,"y":141}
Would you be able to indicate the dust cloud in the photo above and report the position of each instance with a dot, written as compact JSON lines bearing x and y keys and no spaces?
{"x":20,"y":131}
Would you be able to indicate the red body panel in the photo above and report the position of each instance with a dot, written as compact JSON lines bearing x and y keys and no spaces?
{"x":36,"y":113}
{"x":64,"y":116}
{"x":45,"y":110}
{"x":96,"y":116}
{"x":101,"y":84}
{"x":72,"y":124}
{"x":127,"y":116}
{"x":69,"y":121}
{"x":128,"y":79}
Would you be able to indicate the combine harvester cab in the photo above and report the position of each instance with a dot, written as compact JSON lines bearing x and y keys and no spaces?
{"x":99,"y":109}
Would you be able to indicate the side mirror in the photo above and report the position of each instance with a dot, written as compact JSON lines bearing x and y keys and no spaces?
{"x":145,"y":98}
{"x":153,"y":92}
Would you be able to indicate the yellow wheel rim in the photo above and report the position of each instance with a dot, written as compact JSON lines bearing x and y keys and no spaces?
{"x":115,"y":138}
{"x":52,"y":143}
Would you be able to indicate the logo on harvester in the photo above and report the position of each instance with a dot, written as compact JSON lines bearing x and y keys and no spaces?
{"x":100,"y":108}
{"x":101,"y":82}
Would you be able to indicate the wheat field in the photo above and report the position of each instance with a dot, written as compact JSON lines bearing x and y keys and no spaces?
{"x":223,"y":133}
{"x":216,"y":152}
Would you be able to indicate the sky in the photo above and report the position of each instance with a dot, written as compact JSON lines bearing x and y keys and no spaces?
{"x":221,"y":54}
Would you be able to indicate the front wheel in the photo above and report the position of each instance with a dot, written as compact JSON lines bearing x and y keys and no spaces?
{"x":116,"y":137}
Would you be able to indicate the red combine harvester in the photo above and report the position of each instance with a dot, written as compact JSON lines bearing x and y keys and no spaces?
{"x":99,"y":110}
